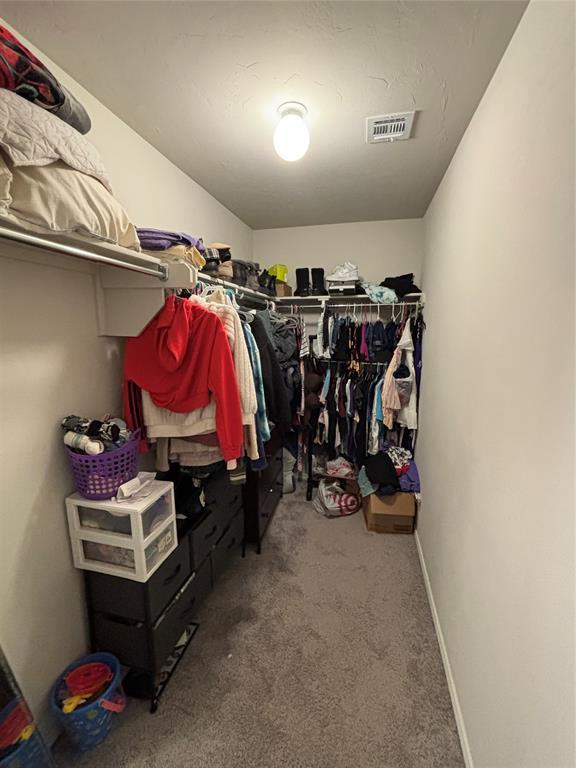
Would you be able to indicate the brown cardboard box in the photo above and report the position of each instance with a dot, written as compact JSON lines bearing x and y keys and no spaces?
{"x":283,"y":289}
{"x":390,"y":514}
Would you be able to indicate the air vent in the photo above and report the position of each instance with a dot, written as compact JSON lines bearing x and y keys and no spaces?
{"x":395,"y":127}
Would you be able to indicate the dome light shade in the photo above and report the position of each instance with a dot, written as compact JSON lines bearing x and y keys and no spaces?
{"x":291,"y":136}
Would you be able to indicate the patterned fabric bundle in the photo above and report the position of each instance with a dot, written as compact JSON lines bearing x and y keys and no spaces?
{"x":25,"y":75}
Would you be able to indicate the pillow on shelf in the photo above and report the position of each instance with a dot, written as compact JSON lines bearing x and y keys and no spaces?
{"x":57,"y":199}
{"x":29,"y":135}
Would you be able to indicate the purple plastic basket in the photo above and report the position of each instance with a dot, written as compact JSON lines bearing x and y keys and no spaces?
{"x":99,"y":477}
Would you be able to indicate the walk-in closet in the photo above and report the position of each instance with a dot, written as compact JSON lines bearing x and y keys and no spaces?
{"x":287,"y":384}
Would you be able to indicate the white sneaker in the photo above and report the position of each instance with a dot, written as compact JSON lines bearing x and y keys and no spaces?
{"x":346,"y":271}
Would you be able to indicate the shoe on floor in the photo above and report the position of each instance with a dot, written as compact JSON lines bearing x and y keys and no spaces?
{"x":344,"y":272}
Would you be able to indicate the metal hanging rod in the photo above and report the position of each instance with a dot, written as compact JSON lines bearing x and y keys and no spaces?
{"x":373,"y":304}
{"x":349,"y":362}
{"x":159,"y":270}
{"x":209,"y":280}
{"x":353,"y":306}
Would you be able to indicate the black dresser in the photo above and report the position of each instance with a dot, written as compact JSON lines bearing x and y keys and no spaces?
{"x":263,"y":491}
{"x":149,"y":625}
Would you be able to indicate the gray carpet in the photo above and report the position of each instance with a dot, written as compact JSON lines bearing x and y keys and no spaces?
{"x":320,"y":653}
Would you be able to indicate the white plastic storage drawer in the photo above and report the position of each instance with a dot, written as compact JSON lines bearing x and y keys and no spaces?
{"x":127,"y":539}
{"x":119,"y":521}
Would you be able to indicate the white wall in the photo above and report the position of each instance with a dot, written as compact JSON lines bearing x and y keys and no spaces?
{"x":52,"y":364}
{"x":496,"y":447}
{"x":379,"y":248}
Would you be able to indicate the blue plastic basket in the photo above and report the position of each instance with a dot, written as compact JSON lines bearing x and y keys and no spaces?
{"x":30,"y":754}
{"x":89,"y":725}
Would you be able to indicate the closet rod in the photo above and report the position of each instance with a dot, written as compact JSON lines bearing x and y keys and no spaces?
{"x":349,"y":362}
{"x":161,"y":272}
{"x":371,"y":304}
{"x":209,"y":280}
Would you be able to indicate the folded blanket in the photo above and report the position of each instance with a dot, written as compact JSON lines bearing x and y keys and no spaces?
{"x":161,"y":240}
{"x":30,"y":135}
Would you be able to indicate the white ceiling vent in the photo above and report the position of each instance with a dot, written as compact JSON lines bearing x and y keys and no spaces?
{"x":396,"y":127}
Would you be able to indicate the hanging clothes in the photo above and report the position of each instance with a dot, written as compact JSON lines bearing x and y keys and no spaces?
{"x":277,"y":402}
{"x":181,"y":359}
{"x":408,"y":414}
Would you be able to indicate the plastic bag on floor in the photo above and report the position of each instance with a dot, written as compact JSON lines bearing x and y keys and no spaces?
{"x":333,"y":501}
{"x":288,"y":479}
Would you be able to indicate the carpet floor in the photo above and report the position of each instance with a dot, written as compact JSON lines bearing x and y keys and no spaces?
{"x":319,"y":653}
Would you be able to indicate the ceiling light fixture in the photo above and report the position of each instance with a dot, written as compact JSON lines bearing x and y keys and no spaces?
{"x":291,"y":136}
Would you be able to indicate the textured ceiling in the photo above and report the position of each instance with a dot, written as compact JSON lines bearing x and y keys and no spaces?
{"x":201,"y":82}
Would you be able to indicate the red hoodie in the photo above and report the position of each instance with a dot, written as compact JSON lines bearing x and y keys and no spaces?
{"x":181,"y":358}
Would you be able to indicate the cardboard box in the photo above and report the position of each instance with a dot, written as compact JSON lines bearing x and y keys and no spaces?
{"x":390,"y":514}
{"x":283,"y":289}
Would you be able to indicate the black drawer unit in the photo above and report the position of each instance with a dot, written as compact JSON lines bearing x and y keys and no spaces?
{"x":149,"y":625}
{"x":262,"y":492}
{"x":137,"y":601}
{"x":230,"y":544}
{"x":147,"y":646}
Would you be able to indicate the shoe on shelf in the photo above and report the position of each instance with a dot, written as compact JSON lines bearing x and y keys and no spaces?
{"x":344,"y":272}
{"x":318,"y":287}
{"x":302,"y":282}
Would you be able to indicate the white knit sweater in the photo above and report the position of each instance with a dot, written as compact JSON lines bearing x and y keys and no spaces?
{"x":160,"y":422}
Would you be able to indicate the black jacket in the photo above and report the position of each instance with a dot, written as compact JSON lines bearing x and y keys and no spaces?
{"x":275,"y":392}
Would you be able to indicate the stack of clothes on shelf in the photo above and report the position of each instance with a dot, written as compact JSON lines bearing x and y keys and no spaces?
{"x":173,"y":246}
{"x":204,"y":384}
{"x":219,"y":262}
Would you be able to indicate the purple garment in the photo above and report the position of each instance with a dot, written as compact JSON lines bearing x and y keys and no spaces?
{"x":160,"y":239}
{"x":410,"y":481}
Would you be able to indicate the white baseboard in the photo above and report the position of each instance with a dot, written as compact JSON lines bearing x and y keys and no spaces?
{"x":445,"y":660}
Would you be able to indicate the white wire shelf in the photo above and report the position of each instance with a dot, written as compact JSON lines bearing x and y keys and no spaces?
{"x":356,"y":300}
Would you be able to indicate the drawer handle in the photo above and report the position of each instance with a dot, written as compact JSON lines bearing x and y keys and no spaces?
{"x":188,"y":608}
{"x":212,"y":532}
{"x":173,"y":575}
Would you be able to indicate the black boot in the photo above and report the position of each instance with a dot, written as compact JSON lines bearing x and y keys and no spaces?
{"x":302,"y":282}
{"x":318,"y":287}
{"x":263,"y":278}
